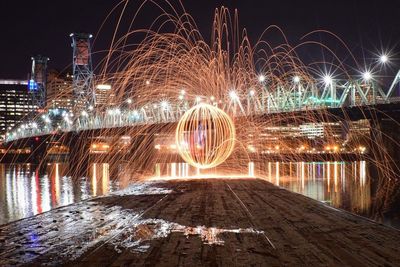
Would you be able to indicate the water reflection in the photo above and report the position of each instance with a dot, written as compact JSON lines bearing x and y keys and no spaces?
{"x":341,"y":184}
{"x":25,"y":192}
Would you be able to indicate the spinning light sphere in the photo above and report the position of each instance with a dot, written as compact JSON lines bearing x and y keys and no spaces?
{"x":205,"y":136}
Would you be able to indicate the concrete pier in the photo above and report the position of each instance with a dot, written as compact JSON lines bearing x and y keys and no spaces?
{"x":201,"y":222}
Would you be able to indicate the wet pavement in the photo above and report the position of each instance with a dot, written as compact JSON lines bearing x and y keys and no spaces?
{"x":204,"y":222}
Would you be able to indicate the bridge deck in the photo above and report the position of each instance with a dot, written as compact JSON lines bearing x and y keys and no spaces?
{"x":214,"y":222}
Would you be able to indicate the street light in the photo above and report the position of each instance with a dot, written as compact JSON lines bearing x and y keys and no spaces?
{"x":129,"y":101}
{"x":367,"y":76}
{"x":252,"y":92}
{"x":164,"y":104}
{"x":296,"y":79}
{"x":261,"y":78}
{"x":327,"y":79}
{"x":383,"y":59}
{"x":233,"y":95}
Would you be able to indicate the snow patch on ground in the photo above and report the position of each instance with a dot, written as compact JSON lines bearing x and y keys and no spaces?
{"x":137,"y":236}
{"x":143,"y":188}
{"x":131,"y":232}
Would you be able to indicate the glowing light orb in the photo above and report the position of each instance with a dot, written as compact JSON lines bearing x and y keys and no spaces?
{"x":205,"y":136}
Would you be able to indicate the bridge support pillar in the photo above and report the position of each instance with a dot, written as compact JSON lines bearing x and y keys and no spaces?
{"x":38,"y":147}
{"x":141,"y":155}
{"x":384,"y":168}
{"x":78,"y":155}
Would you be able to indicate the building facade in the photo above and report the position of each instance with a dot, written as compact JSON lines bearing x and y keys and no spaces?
{"x":104,"y":96}
{"x":15,"y":104}
{"x":59,"y":91}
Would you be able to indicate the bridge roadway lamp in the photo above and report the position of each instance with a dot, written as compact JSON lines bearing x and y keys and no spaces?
{"x":367,"y":76}
{"x":233,"y":95}
{"x":383,"y":59}
{"x":327,"y":79}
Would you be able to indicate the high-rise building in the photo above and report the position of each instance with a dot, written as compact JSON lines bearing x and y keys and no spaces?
{"x":59,"y":90}
{"x":15,"y":104}
{"x":104,"y":96}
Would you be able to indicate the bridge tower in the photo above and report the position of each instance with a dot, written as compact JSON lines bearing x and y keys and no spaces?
{"x":83,"y":88}
{"x":37,"y":81}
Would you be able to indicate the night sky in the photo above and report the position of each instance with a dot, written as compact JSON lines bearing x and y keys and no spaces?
{"x":43,"y":27}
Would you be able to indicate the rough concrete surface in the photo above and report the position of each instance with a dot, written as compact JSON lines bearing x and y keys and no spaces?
{"x":201,"y":222}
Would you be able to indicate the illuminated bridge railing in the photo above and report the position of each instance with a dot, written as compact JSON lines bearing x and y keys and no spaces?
{"x":296,"y":97}
{"x":116,"y":118}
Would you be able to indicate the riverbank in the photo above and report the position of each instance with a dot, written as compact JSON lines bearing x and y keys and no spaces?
{"x":205,"y":222}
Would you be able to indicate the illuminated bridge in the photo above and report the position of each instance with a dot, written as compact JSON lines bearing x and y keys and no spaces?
{"x":362,"y":94}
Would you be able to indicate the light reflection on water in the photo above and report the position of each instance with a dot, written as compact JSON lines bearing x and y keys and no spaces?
{"x":343,"y":185}
{"x":25,"y":192}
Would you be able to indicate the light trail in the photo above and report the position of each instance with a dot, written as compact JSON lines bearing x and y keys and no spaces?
{"x":200,"y":177}
{"x":205,"y":136}
{"x":250,"y":215}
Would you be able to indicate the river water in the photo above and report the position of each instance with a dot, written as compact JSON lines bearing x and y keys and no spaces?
{"x":24,"y":191}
